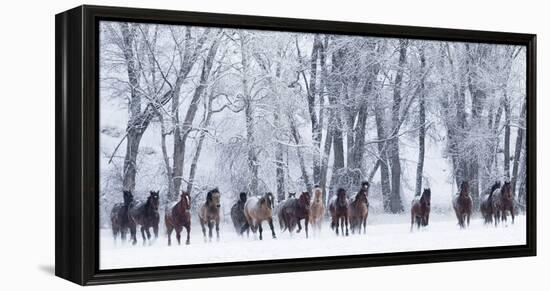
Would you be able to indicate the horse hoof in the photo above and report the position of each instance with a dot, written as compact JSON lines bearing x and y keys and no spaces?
{"x":187,"y":243}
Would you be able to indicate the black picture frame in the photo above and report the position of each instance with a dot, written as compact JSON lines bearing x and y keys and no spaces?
{"x":77,"y":139}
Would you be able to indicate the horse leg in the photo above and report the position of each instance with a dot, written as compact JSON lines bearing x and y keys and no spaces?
{"x":246,"y":228}
{"x":210,"y":226}
{"x":218,"y":229}
{"x":306,"y":221}
{"x":299,"y":227}
{"x":260,"y":228}
{"x":156,"y":231}
{"x":468,"y":219}
{"x":346,"y":220}
{"x":148,"y":235}
{"x":365,"y":225}
{"x":412,"y":221}
{"x":133,"y":233}
{"x":188,"y":239}
{"x":512,"y":214}
{"x":203,"y":229}
{"x":123,"y":232}
{"x":270,"y":222}
{"x":142,"y":229}
{"x":115,"y":232}
{"x":336,"y":224}
{"x":169,"y":232}
{"x":178,"y":235}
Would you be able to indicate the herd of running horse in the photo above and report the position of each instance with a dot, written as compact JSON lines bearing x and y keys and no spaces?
{"x":248,"y":213}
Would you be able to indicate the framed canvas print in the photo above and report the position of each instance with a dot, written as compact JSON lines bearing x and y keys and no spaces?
{"x":197,"y":145}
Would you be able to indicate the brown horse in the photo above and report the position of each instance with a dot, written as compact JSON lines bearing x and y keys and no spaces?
{"x":339,"y":211}
{"x":486,"y":205}
{"x":119,"y":216}
{"x":503,"y":202}
{"x":317,"y":209}
{"x":145,"y":214}
{"x":209,"y":214}
{"x":292,"y":211}
{"x":256,"y":210}
{"x":463,"y":205}
{"x":359,"y":209}
{"x":420,"y":209}
{"x":177,"y":216}
{"x":237,"y":213}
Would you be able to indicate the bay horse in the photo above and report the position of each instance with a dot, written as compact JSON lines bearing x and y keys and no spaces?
{"x":237,"y":213}
{"x":317,"y":209}
{"x":503,"y":202}
{"x":292,"y":211}
{"x":257,"y":210}
{"x":420,"y":209}
{"x":209,"y":214}
{"x":119,"y":216}
{"x":486,"y":205}
{"x":145,"y":214}
{"x":463,"y":205}
{"x":177,"y":216}
{"x":359,"y":209}
{"x":339,"y":211}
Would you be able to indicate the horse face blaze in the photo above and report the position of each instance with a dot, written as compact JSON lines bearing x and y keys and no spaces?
{"x":216,"y":199}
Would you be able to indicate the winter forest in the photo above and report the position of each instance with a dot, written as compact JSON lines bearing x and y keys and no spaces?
{"x":187,"y":108}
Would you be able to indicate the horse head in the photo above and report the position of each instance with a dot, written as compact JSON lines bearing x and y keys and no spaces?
{"x":291,"y":195}
{"x":365,"y":186}
{"x":153,"y":199}
{"x":341,"y":199}
{"x":495,"y":186}
{"x":213,"y":197}
{"x":185,"y":200}
{"x":304,"y":200}
{"x":464,"y":189}
{"x":128,"y":197}
{"x":242,"y":197}
{"x":267,"y":200}
{"x":506,"y":191}
{"x":426,"y":196}
{"x":318,"y":194}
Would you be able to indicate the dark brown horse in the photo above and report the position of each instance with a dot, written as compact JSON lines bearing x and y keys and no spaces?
{"x":119,"y":216}
{"x":292,"y":211}
{"x":257,"y":210}
{"x":237,"y":213}
{"x":359,"y":209}
{"x":503,"y":202}
{"x":177,"y":216}
{"x":145,"y":214}
{"x":209,"y":214}
{"x":420,"y":209}
{"x":486,"y":205}
{"x":339,"y":211}
{"x":463,"y":205}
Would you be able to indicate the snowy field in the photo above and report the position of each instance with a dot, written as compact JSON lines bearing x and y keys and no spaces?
{"x":385,"y":234}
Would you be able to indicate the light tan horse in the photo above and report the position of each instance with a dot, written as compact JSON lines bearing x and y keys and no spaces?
{"x":317,"y":209}
{"x":256,"y":210}
{"x":209,"y":214}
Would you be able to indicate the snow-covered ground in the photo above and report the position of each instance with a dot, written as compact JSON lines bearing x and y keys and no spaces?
{"x":385,"y":233}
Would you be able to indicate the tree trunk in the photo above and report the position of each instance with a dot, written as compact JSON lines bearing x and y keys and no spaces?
{"x":422,"y":122}
{"x":298,"y":141}
{"x":383,"y":159}
{"x":252,"y":159}
{"x":507,"y":116}
{"x":181,"y":131}
{"x":395,"y":162}
{"x":517,"y":151}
